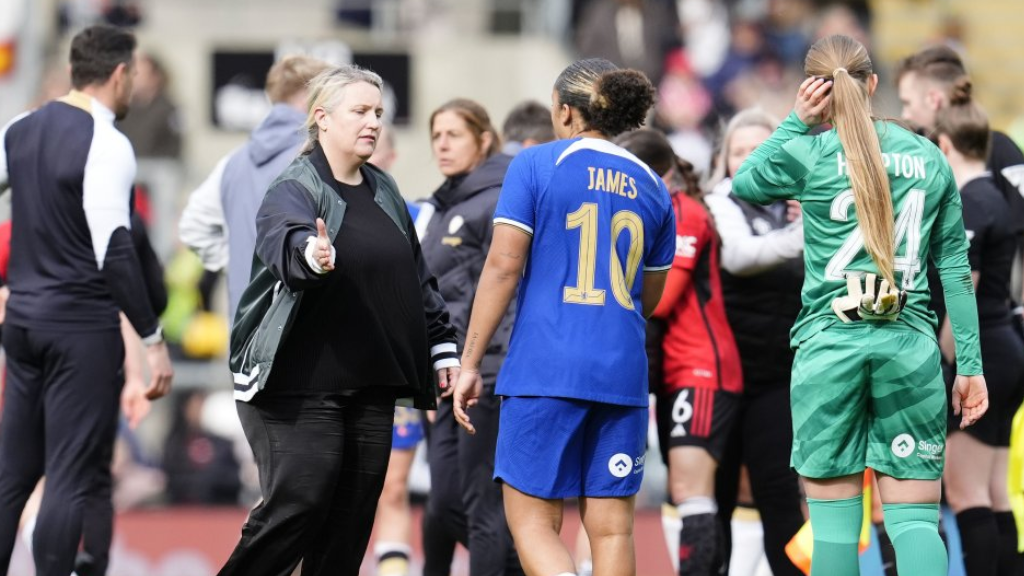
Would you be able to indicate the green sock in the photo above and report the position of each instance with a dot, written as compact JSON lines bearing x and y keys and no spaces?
{"x":836,"y":525}
{"x":914,"y":530}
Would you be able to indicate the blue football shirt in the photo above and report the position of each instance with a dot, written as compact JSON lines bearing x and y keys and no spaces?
{"x":599,"y":218}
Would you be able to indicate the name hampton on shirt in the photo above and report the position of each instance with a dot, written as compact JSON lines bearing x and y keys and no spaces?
{"x":613,"y":181}
{"x":899,"y":165}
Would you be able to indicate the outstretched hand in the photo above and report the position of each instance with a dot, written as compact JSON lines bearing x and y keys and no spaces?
{"x":322,"y":252}
{"x":970,"y":397}
{"x":812,"y":100}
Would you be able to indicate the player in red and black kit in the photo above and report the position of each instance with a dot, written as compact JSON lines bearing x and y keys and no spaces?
{"x":701,"y":381}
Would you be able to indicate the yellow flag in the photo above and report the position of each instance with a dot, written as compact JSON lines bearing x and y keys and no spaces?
{"x":1015,"y":475}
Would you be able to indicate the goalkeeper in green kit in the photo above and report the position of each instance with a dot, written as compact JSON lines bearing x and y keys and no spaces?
{"x":880,"y":205}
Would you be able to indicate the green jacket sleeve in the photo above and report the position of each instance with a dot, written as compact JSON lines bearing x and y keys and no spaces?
{"x":777,"y":169}
{"x":949,"y":247}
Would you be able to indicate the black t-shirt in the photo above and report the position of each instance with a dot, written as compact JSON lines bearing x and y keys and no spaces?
{"x":990,"y":230}
{"x":365,"y":326}
{"x":1006,"y":162}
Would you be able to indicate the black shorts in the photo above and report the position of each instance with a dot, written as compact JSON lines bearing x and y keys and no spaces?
{"x":701,"y":417}
{"x":1002,"y":352}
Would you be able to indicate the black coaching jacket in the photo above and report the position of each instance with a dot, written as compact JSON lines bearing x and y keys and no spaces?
{"x":280,"y":273}
{"x":455,"y":226}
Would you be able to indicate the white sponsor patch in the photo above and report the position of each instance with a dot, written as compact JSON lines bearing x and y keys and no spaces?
{"x":903,"y":445}
{"x":620,"y":465}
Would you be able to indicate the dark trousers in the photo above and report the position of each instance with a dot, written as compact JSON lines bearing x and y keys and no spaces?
{"x":322,"y":461}
{"x":98,"y":518}
{"x":763,"y":440}
{"x":465,"y":503}
{"x":60,"y":406}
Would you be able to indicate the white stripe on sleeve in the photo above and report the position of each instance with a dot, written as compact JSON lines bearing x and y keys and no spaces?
{"x":515,"y":223}
{"x":107,"y":186}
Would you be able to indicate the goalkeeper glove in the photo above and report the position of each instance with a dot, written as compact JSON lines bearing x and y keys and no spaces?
{"x":875,"y":300}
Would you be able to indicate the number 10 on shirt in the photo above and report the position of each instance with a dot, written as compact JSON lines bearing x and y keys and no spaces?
{"x":621,"y":280}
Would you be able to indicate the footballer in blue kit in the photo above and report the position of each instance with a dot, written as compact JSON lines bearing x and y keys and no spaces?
{"x":586,"y":233}
{"x":599,"y":217}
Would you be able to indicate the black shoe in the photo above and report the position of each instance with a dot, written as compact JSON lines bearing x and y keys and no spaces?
{"x":85,"y":565}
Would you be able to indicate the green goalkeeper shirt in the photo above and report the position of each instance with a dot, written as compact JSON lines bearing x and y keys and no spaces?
{"x":929,"y":226}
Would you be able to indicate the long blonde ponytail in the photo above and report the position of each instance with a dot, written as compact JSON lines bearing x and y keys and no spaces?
{"x":846,"y":61}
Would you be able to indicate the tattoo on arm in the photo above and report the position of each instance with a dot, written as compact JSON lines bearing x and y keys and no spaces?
{"x":471,"y":345}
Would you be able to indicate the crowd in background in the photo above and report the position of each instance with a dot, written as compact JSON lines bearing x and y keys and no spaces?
{"x":708,"y":60}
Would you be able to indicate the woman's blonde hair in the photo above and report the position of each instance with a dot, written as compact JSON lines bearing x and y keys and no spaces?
{"x":325,"y":91}
{"x":846,"y":62}
{"x":742,"y":119}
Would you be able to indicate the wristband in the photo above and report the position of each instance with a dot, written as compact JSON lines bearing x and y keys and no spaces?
{"x":154,"y":338}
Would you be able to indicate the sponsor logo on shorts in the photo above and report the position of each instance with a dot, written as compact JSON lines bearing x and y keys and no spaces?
{"x":620,"y":465}
{"x":930,"y":451}
{"x":903,"y":445}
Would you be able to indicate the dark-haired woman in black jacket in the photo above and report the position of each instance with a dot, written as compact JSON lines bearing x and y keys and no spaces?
{"x":455,"y":230}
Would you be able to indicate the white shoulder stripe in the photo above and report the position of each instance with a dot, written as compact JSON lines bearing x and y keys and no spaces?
{"x":606,"y":147}
{"x":108,"y":180}
{"x":515,"y":223}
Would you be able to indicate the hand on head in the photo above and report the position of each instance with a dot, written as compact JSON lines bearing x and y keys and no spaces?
{"x":812,"y":100}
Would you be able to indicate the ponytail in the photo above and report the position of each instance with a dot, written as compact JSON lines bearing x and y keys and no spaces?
{"x":851,"y":115}
{"x":846,"y":61}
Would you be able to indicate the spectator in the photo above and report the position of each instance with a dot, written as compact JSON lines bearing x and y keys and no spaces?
{"x":631,"y":33}
{"x":219,"y":221}
{"x":200,"y":466}
{"x":528,"y":124}
{"x":154,"y":124}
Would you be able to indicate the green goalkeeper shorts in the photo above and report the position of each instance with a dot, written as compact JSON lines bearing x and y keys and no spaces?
{"x":868,"y":395}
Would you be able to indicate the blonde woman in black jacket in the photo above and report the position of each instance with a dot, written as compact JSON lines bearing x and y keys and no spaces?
{"x":340,"y":319}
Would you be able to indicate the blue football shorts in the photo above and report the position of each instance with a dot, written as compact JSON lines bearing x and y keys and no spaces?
{"x":563,"y":448}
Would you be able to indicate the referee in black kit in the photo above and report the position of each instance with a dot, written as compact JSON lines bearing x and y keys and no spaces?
{"x":72,"y":268}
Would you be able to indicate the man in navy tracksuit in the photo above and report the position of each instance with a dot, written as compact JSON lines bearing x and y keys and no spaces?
{"x":73,"y":267}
